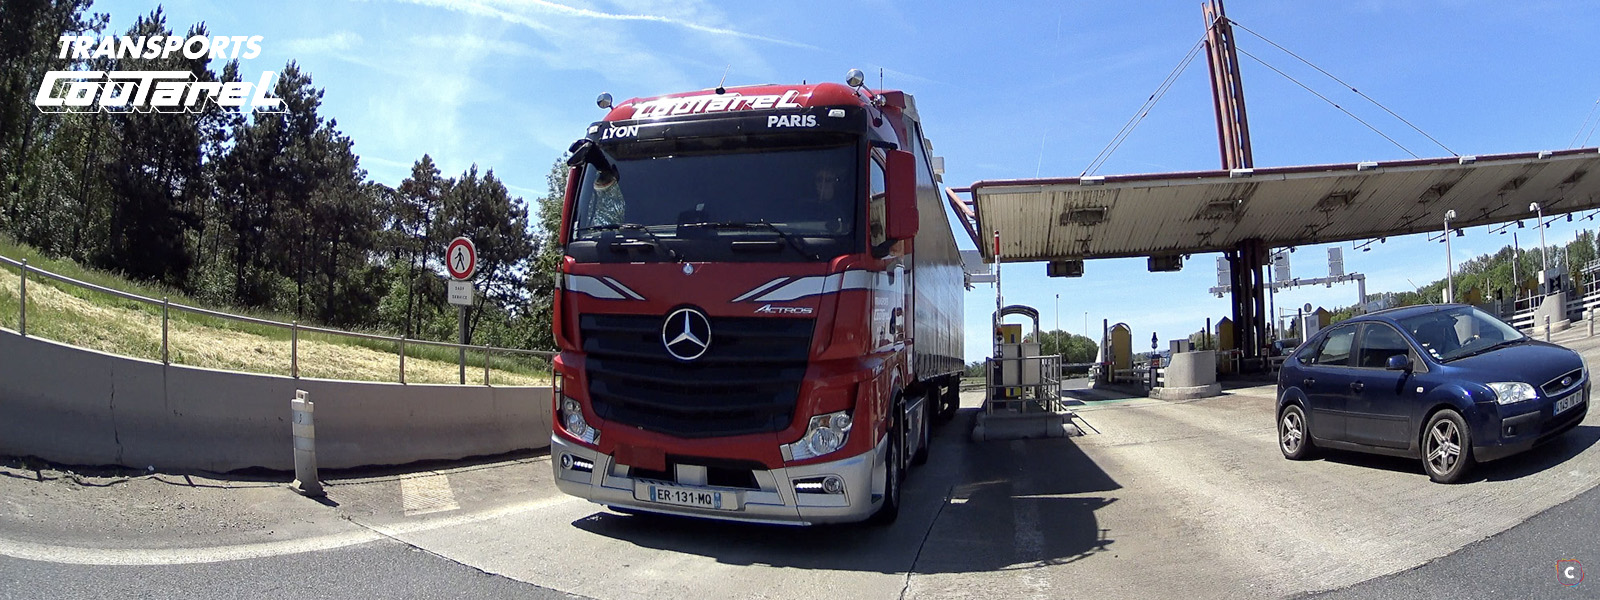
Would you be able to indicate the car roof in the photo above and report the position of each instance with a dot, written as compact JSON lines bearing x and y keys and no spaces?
{"x":1394,"y":315}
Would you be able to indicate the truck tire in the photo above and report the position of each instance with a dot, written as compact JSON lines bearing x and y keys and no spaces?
{"x":925,"y":435}
{"x":895,"y":475}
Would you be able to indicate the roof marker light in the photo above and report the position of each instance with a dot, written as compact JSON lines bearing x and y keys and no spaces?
{"x":836,"y":113}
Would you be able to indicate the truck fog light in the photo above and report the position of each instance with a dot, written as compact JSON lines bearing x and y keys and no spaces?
{"x":566,"y":461}
{"x":832,"y":484}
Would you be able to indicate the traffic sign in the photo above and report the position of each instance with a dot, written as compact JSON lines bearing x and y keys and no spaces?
{"x":461,"y":293}
{"x":461,"y":258}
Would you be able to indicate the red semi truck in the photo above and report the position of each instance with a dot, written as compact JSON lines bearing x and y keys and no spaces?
{"x":760,"y":305}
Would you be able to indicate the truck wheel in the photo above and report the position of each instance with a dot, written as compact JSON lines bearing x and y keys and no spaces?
{"x":925,"y":433}
{"x":895,"y":475}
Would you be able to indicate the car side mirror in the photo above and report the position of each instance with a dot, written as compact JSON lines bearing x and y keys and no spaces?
{"x":901,"y":218}
{"x":1399,"y":362}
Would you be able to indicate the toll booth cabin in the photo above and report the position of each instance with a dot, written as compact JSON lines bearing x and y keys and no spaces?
{"x":1020,"y":379}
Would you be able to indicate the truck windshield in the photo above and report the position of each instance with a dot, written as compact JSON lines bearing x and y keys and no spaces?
{"x":802,"y":201}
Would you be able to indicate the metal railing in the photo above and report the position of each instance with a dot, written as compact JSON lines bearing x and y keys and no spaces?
{"x":294,"y":327}
{"x":1033,"y":383}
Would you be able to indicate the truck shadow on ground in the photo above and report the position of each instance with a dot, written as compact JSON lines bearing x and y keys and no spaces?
{"x":1549,"y":455}
{"x":975,"y":507}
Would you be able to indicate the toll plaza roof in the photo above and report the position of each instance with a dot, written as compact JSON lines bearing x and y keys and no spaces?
{"x":1210,"y":211}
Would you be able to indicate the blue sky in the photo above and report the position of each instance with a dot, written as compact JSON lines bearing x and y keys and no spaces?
{"x":1006,"y":90}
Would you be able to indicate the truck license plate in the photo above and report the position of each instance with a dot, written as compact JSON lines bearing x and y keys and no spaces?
{"x":1568,"y":402}
{"x":685,"y":496}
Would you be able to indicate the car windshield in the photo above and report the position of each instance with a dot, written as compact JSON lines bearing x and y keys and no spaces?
{"x":805,"y":192}
{"x":1458,"y":331}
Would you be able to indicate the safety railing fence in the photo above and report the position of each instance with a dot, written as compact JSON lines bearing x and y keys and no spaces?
{"x":294,"y":329}
{"x":1024,"y":384}
{"x":1524,"y":318}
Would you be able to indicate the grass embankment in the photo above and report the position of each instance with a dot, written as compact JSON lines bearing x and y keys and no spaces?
{"x":91,"y":319}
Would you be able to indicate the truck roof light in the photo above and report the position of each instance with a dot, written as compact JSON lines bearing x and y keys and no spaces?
{"x":855,"y":78}
{"x":604,"y":101}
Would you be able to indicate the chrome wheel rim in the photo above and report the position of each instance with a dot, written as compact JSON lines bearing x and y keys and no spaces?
{"x":1293,"y":432}
{"x":1444,"y":446}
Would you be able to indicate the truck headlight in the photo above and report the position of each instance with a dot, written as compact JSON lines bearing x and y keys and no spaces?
{"x":824,"y":434}
{"x":1511,"y":392}
{"x":572,"y":420}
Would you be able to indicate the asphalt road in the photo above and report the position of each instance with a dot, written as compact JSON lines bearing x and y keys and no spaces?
{"x":1157,"y":500}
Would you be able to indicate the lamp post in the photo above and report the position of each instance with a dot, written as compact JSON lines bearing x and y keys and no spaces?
{"x":1516,"y":281}
{"x":1449,"y":264}
{"x":1544,"y":254}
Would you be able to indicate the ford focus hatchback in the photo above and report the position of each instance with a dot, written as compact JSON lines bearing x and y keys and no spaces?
{"x":1447,"y":384}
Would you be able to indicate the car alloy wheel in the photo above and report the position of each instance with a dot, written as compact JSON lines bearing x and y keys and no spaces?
{"x":1446,"y":447}
{"x":1293,"y":435}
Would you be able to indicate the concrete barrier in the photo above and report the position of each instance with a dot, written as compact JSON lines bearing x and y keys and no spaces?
{"x":76,"y":406}
{"x":1190,"y":375}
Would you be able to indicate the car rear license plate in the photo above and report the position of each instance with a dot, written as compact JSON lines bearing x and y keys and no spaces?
{"x":1568,"y":402}
{"x":685,"y":496}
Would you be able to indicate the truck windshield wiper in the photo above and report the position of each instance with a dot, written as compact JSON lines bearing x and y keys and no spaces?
{"x":654,"y":241}
{"x":793,"y":240}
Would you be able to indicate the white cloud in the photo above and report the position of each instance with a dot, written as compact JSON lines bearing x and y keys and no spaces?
{"x":332,"y":44}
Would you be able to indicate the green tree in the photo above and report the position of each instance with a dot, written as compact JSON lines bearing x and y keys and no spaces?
{"x":481,"y":209}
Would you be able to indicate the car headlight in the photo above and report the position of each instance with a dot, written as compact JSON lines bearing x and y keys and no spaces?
{"x":824,"y":434}
{"x":571,"y":416}
{"x":1511,"y":392}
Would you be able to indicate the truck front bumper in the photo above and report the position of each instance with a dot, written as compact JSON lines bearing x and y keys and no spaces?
{"x":588,"y":474}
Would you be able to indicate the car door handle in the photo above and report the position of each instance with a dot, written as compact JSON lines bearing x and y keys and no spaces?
{"x":1307,"y":382}
{"x":1355,"y":386}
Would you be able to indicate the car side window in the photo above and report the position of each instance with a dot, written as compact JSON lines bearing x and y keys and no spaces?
{"x":1378,"y":343}
{"x":1335,"y":350}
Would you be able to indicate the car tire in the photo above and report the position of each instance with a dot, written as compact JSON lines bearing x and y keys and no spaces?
{"x":1294,"y":433}
{"x":894,"y":477}
{"x":1446,"y":447}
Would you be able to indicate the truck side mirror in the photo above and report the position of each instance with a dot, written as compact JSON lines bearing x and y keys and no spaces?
{"x":901,"y":218}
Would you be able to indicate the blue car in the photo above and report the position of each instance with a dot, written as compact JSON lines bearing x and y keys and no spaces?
{"x":1448,"y":384}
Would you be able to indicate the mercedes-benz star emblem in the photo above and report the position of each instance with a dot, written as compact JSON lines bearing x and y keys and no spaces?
{"x":686,"y":334}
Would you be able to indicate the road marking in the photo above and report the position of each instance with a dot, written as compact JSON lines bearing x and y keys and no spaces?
{"x":427,"y":494}
{"x":213,"y":554}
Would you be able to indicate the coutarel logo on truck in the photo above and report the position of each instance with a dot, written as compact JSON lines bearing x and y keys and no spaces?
{"x":694,"y":105}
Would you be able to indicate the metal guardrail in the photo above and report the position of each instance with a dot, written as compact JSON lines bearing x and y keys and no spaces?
{"x":294,"y":327}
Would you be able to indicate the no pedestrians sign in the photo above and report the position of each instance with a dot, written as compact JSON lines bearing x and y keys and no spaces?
{"x":461,"y":259}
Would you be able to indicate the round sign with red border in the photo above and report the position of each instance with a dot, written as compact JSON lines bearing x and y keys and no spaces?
{"x":461,"y":258}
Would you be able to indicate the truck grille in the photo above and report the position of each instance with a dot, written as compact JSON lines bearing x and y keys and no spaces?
{"x":747,"y":381}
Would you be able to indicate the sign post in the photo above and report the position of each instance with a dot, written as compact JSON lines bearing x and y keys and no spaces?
{"x":461,"y":261}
